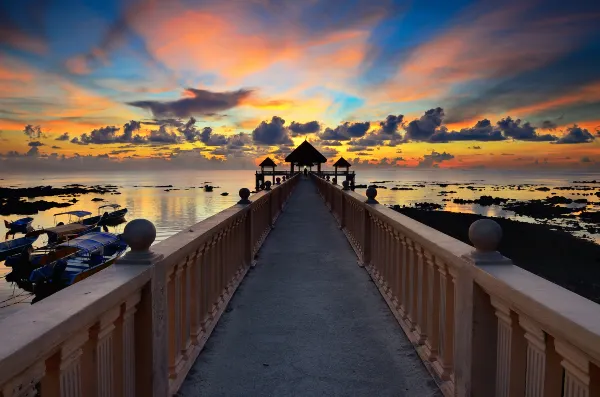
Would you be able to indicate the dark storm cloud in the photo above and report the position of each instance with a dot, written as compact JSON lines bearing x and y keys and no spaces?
{"x":423,"y":128}
{"x":209,"y":139}
{"x":163,"y":136}
{"x":312,"y":127}
{"x":522,"y":131}
{"x":548,"y":125}
{"x":271,"y":133}
{"x":35,"y":144}
{"x":481,"y":131}
{"x":63,"y":137}
{"x":391,"y":124}
{"x":575,"y":135}
{"x":32,"y":132}
{"x":129,"y":129}
{"x":431,"y":160}
{"x":345,"y":131}
{"x":198,"y":102}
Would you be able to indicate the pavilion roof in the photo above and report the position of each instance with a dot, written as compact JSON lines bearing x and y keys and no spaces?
{"x":267,"y":163}
{"x":342,"y":162}
{"x":305,"y":154}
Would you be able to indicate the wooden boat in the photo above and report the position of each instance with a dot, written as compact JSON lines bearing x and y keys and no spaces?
{"x":109,"y":218}
{"x":22,"y":225}
{"x":208,"y":188}
{"x":63,"y":232}
{"x":85,"y":256}
{"x":16,"y":246}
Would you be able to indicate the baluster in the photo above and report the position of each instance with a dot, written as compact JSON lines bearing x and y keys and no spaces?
{"x":421,"y":297}
{"x":536,"y":358}
{"x":577,"y":370}
{"x":25,"y":384}
{"x":126,"y":373}
{"x":395,"y":267}
{"x":64,"y":373}
{"x":104,"y":353}
{"x":196,"y":295}
{"x":173,"y":320}
{"x":185,"y":305}
{"x":405,"y":286}
{"x":433,"y":308}
{"x":387,"y":257}
{"x":445,"y":360}
{"x":510,"y":354}
{"x":412,"y":290}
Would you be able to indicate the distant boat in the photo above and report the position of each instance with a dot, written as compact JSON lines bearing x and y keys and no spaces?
{"x":22,"y":225}
{"x":113,"y":217}
{"x":208,"y":188}
{"x":67,"y":264}
{"x":16,"y":246}
{"x":224,"y":194}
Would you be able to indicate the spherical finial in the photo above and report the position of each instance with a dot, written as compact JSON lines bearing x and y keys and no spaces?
{"x":268,"y":185}
{"x":485,"y":234}
{"x":244,"y":194}
{"x":346,"y":185}
{"x":278,"y":180}
{"x":371,"y":194}
{"x":139,"y":234}
{"x":334,"y":180}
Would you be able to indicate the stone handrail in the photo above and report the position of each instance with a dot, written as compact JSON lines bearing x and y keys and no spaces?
{"x":135,"y":328}
{"x":483,"y":326}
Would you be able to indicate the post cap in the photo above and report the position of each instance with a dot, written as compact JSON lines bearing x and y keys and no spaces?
{"x":244,"y":195}
{"x":345,"y":184}
{"x":139,"y":234}
{"x":371,"y":194}
{"x":268,"y":185}
{"x":485,"y":234}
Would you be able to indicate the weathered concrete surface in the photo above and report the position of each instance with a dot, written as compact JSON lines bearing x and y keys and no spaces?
{"x":308,"y":321}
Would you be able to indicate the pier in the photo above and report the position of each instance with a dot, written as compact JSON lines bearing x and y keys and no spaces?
{"x":306,"y":287}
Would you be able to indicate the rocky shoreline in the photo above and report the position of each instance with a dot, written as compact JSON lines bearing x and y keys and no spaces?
{"x":12,"y":199}
{"x":557,"y":256}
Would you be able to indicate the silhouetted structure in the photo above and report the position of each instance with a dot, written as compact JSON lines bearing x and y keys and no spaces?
{"x":343,"y":163}
{"x":305,"y":155}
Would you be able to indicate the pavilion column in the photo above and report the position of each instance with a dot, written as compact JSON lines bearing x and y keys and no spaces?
{"x":292,"y":168}
{"x":335,"y":173}
{"x":273,"y":176}
{"x":319,"y":168}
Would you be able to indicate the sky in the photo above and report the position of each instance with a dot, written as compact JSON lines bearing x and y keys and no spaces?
{"x":154,"y":84}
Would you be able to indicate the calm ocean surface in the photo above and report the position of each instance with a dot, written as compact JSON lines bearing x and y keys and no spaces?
{"x":174,"y":210}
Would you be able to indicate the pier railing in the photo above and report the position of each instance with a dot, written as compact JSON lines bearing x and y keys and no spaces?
{"x":483,"y":326}
{"x":136,"y":328}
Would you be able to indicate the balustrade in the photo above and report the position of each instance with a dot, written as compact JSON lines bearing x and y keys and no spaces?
{"x":483,"y":326}
{"x":135,"y":328}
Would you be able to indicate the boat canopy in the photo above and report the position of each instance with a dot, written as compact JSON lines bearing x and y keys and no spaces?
{"x":92,"y":241}
{"x":60,"y":231}
{"x":113,"y":206}
{"x":79,"y":214}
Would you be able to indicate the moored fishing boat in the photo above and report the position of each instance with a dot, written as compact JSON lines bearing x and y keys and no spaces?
{"x":69,"y":263}
{"x":16,"y":246}
{"x":22,"y":225}
{"x":108,"y":218}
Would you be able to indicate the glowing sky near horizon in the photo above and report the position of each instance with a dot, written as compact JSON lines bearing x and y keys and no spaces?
{"x":396,"y":83}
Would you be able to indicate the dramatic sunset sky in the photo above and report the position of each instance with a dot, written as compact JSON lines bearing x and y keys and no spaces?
{"x":217,"y":83}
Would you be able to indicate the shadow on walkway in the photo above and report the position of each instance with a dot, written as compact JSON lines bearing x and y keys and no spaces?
{"x":308,"y":321}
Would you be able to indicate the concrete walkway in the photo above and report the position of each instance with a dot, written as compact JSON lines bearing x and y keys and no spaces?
{"x":308,"y":321}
